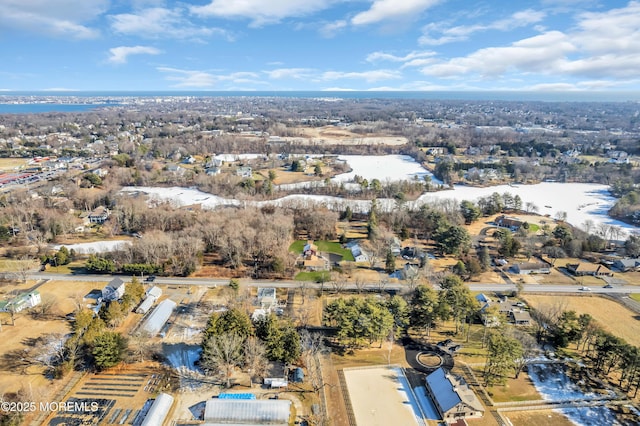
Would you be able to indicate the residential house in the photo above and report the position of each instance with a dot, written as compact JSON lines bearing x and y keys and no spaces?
{"x":244,"y":172}
{"x":583,"y":268}
{"x":521,"y":317}
{"x":452,"y":396}
{"x":267,"y":298}
{"x":528,"y":268}
{"x":509,"y":222}
{"x":358,"y":254}
{"x":626,"y":265}
{"x":114,"y":290}
{"x":99,"y":215}
{"x":20,"y":302}
{"x":312,"y":260}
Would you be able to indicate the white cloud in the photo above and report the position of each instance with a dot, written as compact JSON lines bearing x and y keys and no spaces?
{"x":261,"y":12}
{"x":331,"y":29}
{"x":289,"y":73}
{"x":382,"y":10}
{"x":119,"y":55}
{"x":436,"y":34}
{"x":411,"y":60}
{"x":205,"y":79}
{"x":535,"y":54}
{"x":59,"y":18}
{"x":602,"y":46}
{"x":188,"y":78}
{"x":368,"y":76}
{"x":160,"y":22}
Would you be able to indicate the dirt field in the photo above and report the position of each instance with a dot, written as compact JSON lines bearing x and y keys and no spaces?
{"x":610,"y":315}
{"x":379,"y":397}
{"x":537,"y":418}
{"x":331,"y":135}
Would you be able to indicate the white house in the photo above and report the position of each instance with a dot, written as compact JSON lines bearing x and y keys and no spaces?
{"x":114,"y":290}
{"x":20,"y":302}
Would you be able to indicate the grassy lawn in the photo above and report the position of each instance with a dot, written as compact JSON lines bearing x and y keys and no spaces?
{"x":314,"y":276}
{"x":73,"y":267}
{"x":323,"y":246}
{"x":533,"y":227}
{"x":635,"y":296}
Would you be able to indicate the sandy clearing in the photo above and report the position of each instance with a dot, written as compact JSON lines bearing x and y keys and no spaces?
{"x":378,"y":396}
{"x":610,"y":315}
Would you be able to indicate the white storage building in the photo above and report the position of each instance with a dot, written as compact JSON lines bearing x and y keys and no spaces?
{"x":158,"y":411}
{"x":247,"y":412}
{"x":156,"y":320}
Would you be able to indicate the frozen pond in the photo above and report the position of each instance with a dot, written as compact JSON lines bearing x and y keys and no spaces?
{"x":553,"y":384}
{"x":385,"y":168}
{"x":94,"y":247}
{"x":581,"y":201}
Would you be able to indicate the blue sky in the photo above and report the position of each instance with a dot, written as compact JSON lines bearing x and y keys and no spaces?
{"x":543,"y":45}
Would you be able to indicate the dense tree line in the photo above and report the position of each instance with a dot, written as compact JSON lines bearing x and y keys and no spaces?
{"x":232,"y":341}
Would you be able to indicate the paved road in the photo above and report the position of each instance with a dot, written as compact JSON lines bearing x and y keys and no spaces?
{"x":213,"y":282}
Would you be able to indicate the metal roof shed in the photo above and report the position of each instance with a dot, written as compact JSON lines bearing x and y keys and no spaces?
{"x":158,"y":411}
{"x":159,"y":317}
{"x":249,"y":412}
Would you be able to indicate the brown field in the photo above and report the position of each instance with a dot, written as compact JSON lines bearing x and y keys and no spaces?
{"x":537,"y":418}
{"x":331,"y":135}
{"x":10,"y":164}
{"x":610,"y":315}
{"x":62,"y":294}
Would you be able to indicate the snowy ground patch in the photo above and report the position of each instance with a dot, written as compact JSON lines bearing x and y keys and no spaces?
{"x":384,"y":168}
{"x":95,"y":247}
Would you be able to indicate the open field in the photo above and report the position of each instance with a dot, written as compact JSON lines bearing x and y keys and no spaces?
{"x":610,"y":315}
{"x":11,"y":164}
{"x":332,"y":135}
{"x":538,"y":418}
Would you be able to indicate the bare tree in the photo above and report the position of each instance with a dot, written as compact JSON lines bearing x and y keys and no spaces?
{"x":141,"y":345}
{"x":222,"y":354}
{"x":255,"y":358}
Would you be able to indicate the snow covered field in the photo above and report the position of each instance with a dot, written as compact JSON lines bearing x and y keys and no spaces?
{"x":581,"y":201}
{"x":553,"y":384}
{"x":94,"y":247}
{"x":384,"y":168}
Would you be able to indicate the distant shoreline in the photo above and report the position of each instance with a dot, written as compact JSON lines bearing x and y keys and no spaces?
{"x":506,"y":96}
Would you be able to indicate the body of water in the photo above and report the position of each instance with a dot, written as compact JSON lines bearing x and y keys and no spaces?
{"x":574,"y":96}
{"x":39,"y":108}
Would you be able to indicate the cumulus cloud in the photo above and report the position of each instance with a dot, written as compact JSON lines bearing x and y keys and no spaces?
{"x":261,"y":12}
{"x":601,"y":46}
{"x":119,"y":55}
{"x":436,"y":34}
{"x":59,"y":18}
{"x":382,"y":10}
{"x":158,"y":22}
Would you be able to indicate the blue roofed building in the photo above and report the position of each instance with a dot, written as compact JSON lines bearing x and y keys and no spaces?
{"x":452,"y":396}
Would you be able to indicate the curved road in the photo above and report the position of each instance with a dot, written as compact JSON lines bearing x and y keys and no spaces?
{"x":213,"y":282}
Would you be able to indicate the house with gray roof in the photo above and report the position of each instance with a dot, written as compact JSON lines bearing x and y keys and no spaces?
{"x":452,"y":396}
